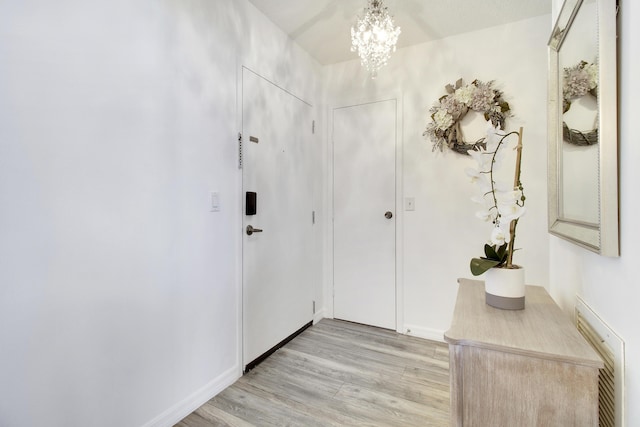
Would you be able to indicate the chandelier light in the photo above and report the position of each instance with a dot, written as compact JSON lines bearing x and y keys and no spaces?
{"x":374,"y":37}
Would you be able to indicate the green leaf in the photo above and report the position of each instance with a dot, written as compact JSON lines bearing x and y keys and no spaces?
{"x":490,"y":252}
{"x":502,"y":252}
{"x":480,"y":265}
{"x":499,"y":254}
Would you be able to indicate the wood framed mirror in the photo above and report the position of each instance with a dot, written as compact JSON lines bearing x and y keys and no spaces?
{"x":583,"y":131}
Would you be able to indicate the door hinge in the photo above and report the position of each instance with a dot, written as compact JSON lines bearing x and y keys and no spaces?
{"x":313,"y":126}
{"x":314,"y":307}
{"x":239,"y":150}
{"x":313,"y":217}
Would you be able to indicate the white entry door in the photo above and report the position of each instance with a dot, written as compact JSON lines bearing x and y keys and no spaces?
{"x":364,"y":228}
{"x":277,"y":294}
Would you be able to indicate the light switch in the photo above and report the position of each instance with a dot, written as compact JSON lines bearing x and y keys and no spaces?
{"x":409,"y":204}
{"x":215,"y":201}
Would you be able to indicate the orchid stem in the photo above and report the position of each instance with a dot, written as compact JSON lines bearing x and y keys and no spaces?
{"x":493,"y":161}
{"x":516,"y":185}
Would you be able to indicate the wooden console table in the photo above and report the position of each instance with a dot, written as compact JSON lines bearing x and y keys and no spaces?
{"x":520,"y":368}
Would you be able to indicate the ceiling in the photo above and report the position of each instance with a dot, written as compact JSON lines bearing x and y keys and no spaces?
{"x":323,"y":27}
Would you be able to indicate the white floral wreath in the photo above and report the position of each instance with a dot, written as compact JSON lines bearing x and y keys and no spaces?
{"x":446,"y":115}
{"x":578,"y":81}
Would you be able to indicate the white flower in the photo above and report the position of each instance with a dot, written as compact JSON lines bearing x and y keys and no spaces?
{"x":510,"y":211}
{"x":493,"y":137}
{"x":484,"y":184}
{"x":465,"y":94}
{"x":474,"y":174}
{"x":578,"y":80}
{"x":483,"y":97}
{"x":478,"y":199}
{"x":452,"y":106}
{"x":499,"y":237}
{"x":484,"y":215}
{"x":508,"y":196}
{"x":482,"y":158}
{"x":501,"y":187}
{"x":498,"y":159}
{"x":442,"y":119}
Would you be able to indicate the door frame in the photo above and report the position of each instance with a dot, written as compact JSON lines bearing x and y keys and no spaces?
{"x":399,"y":211}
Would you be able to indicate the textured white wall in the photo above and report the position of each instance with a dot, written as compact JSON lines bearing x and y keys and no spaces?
{"x":442,"y":234}
{"x":610,"y":285}
{"x":118,"y":287}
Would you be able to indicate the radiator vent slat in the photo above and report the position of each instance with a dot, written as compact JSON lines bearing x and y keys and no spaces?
{"x":607,"y":379}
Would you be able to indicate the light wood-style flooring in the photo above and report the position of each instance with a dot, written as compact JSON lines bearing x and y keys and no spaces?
{"x":338,"y":374}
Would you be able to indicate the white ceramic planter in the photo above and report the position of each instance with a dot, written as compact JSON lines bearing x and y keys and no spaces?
{"x":504,"y":288}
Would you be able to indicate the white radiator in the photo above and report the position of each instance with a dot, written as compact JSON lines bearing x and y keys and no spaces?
{"x":611,"y":348}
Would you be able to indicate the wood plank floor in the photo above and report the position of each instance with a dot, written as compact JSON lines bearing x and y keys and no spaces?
{"x":338,"y":374}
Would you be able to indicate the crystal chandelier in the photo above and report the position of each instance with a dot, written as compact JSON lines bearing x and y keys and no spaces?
{"x":374,"y":37}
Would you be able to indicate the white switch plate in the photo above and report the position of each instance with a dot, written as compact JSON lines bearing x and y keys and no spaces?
{"x":215,"y":201}
{"x":409,"y":204}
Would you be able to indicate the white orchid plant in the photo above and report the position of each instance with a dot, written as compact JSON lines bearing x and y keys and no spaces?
{"x":502,"y":204}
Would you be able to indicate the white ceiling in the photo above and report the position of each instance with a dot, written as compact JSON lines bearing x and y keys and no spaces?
{"x":322,"y":27}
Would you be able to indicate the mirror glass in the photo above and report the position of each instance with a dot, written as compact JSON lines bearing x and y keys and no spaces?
{"x":578,"y":62}
{"x":583,"y":190}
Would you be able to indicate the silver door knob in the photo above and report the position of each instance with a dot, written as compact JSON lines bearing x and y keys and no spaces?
{"x":388,"y":215}
{"x":251,"y":230}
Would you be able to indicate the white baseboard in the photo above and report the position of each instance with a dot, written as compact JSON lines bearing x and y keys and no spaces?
{"x":412,"y":330}
{"x":319,"y":315}
{"x":426,"y":333}
{"x":173,"y":415}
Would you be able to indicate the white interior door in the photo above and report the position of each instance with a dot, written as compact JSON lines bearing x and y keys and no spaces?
{"x":364,"y":228}
{"x":277,"y":295}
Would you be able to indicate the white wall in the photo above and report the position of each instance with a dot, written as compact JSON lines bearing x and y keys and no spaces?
{"x":442,"y":234}
{"x":118,"y":288}
{"x":609,"y":285}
